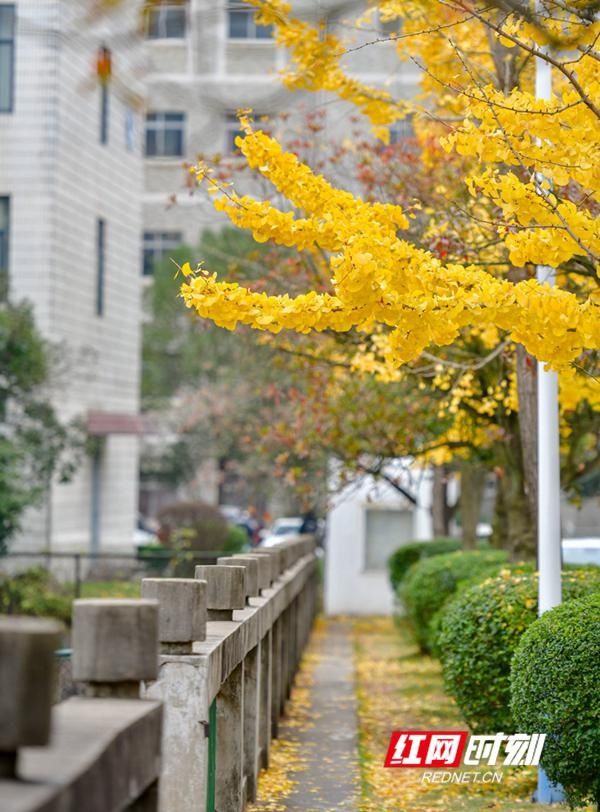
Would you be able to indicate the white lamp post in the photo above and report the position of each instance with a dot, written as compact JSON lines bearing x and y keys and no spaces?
{"x":549,"y":535}
{"x":549,"y":531}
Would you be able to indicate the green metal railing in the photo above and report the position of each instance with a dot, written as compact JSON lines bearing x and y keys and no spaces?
{"x":212,"y":757}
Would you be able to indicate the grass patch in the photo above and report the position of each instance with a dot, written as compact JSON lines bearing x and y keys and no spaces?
{"x":111,"y":589}
{"x":399,"y":688}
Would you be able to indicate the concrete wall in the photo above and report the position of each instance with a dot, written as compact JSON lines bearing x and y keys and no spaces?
{"x":352,"y":586}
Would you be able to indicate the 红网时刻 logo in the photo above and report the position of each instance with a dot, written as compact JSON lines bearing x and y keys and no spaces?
{"x":435,"y":749}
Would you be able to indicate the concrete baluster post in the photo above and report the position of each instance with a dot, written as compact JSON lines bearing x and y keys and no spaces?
{"x":182,"y":686}
{"x":27,"y":661}
{"x":115,"y":645}
{"x":265,"y":688}
{"x":251,"y":720}
{"x":270,"y":561}
{"x":276,"y":679}
{"x":283,"y":655}
{"x":251,"y":565}
{"x":263,"y":563}
{"x":226,"y":589}
{"x":181,"y":612}
{"x":230,"y":784}
{"x":115,"y":650}
{"x":290,"y":648}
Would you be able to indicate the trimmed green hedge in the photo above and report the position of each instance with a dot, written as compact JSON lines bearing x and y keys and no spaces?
{"x":430,"y":582}
{"x":404,"y":557}
{"x":555,"y":680}
{"x":479,"y":633}
{"x":34,"y":592}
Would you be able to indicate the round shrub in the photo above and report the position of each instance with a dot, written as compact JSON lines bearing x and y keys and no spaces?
{"x":554,"y":690}
{"x":236,"y":541}
{"x":479,"y":633}
{"x":194,"y":525}
{"x":401,"y":560}
{"x":430,"y":582}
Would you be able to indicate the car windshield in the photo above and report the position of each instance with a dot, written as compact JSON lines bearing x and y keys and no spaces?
{"x":282,"y":529}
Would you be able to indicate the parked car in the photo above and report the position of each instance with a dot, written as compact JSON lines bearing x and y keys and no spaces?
{"x":282,"y":529}
{"x":145,"y":532}
{"x":581,"y":551}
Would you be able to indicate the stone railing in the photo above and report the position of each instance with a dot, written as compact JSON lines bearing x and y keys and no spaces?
{"x":228,"y":641}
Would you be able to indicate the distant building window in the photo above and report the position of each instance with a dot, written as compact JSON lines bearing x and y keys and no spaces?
{"x":4,"y":242}
{"x":100,"y":265}
{"x":233,"y":129}
{"x":401,"y":130}
{"x":165,"y":135}
{"x":166,"y":21}
{"x":104,"y":114}
{"x":158,"y":245}
{"x":7,"y":57}
{"x":385,"y":531}
{"x":242,"y":23}
{"x":131,"y":130}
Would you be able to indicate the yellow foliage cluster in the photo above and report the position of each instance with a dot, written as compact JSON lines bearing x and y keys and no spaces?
{"x":379,"y":278}
{"x":533,"y":162}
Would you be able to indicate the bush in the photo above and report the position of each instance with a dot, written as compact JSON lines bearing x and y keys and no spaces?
{"x":203,"y":526}
{"x":554,"y":690}
{"x":237,"y":539}
{"x":430,"y":582}
{"x":402,"y":559}
{"x":479,"y":633}
{"x":34,"y":592}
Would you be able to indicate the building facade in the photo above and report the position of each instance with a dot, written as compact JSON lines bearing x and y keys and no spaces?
{"x":71,"y":179}
{"x":209,"y":58}
{"x":367,"y":522}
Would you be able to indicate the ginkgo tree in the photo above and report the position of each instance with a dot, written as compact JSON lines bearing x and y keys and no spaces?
{"x":530,"y":171}
{"x":376,"y":276}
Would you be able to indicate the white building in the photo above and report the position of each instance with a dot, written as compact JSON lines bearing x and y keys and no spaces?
{"x":367,"y":522}
{"x":209,"y":58}
{"x":71,"y":175}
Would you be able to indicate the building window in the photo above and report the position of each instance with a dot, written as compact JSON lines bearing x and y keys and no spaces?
{"x":385,"y":531}
{"x":131,"y":130}
{"x":7,"y":57}
{"x":104,"y":114}
{"x":242,"y":23}
{"x":4,"y":244}
{"x":100,"y":265}
{"x":157,"y":245}
{"x":232,"y":130}
{"x":165,"y":135}
{"x":401,"y":130}
{"x":166,"y":21}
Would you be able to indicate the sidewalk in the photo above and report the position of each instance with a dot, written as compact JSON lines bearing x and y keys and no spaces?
{"x":327,"y":747}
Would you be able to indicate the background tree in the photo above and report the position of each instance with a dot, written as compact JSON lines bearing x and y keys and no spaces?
{"x":34,"y":445}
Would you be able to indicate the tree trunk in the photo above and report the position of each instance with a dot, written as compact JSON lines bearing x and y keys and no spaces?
{"x":514,"y":522}
{"x":439,"y":503}
{"x":521,"y":540}
{"x":527,"y":389}
{"x":472,"y":481}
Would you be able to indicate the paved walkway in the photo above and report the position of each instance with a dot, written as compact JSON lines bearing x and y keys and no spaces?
{"x":329,"y":747}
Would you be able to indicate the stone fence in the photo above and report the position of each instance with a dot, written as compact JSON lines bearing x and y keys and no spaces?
{"x":178,"y":694}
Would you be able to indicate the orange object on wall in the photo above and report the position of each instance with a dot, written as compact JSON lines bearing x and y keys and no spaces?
{"x":104,"y":64}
